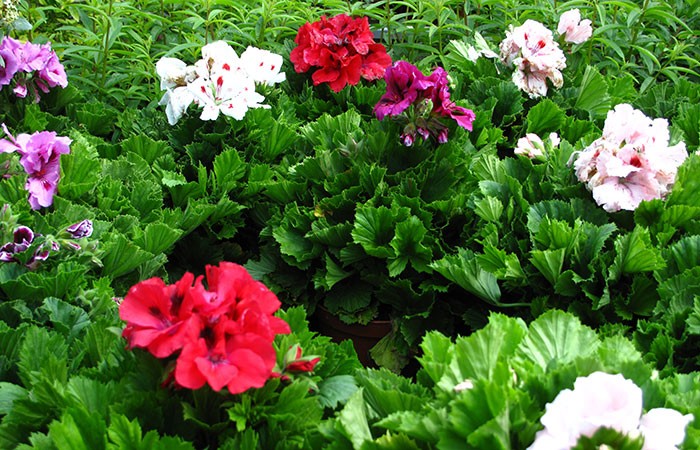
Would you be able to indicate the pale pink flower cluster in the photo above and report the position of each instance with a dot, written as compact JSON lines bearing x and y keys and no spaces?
{"x":40,"y":155}
{"x":536,"y":56}
{"x":532,"y":146}
{"x":631,"y":162}
{"x":219,"y":83}
{"x":574,"y":30}
{"x":32,"y":67}
{"x":611,"y":401}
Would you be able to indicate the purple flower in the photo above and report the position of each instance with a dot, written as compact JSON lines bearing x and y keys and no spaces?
{"x":22,"y":238}
{"x":81,"y":229}
{"x":428,"y":99}
{"x":40,"y":156}
{"x":10,"y":64}
{"x":404,"y":83}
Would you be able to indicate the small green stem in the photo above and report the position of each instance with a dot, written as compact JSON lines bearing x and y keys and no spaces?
{"x":105,"y":45}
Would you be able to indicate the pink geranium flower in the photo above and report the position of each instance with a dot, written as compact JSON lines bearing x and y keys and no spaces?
{"x":40,"y":156}
{"x":34,"y":67}
{"x":574,"y":30}
{"x":631,"y":162}
{"x":531,"y":49}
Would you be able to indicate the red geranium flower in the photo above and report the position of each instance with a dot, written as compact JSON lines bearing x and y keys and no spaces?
{"x":224,"y":331}
{"x":342,"y":49}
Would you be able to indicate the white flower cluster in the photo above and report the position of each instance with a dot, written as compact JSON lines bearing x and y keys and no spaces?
{"x":631,"y":162}
{"x":611,"y":401}
{"x":219,"y":83}
{"x":8,"y":11}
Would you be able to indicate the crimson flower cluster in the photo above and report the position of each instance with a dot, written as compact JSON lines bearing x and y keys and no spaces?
{"x":222,"y":333}
{"x":420,"y":102}
{"x":342,"y":49}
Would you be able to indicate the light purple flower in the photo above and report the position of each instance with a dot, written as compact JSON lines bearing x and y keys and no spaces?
{"x":35,"y":67}
{"x":40,"y":156}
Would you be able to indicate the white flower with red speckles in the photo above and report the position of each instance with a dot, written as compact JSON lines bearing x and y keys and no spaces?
{"x":219,"y":83}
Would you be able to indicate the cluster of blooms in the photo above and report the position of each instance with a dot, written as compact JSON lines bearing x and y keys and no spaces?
{"x":220,"y":82}
{"x":534,"y":147}
{"x":23,"y":238}
{"x":223,"y":332}
{"x":631,"y":162}
{"x":342,"y":49}
{"x":32,"y":66}
{"x":536,"y":56}
{"x":419,"y":102}
{"x":611,"y":401}
{"x":40,"y":156}
{"x":531,"y":48}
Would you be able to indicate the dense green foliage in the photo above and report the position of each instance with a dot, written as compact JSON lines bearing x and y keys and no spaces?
{"x":322,"y":202}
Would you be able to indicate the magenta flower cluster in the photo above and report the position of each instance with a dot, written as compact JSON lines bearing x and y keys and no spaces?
{"x":40,"y":156}
{"x":420,"y":102}
{"x":33,"y":67}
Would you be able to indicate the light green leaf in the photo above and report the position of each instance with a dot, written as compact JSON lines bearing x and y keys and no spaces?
{"x":556,"y":338}
{"x":79,"y":430}
{"x":157,"y":238}
{"x":67,"y":319}
{"x":408,"y":245}
{"x":352,"y":420}
{"x":489,"y":209}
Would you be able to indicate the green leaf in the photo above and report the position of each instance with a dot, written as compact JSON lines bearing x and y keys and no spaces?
{"x":409,"y":247}
{"x":79,"y":430}
{"x":545,"y":117}
{"x":635,"y":254}
{"x":687,"y":183}
{"x":438,"y":351}
{"x":121,"y":256}
{"x":593,"y":95}
{"x":464,"y":270}
{"x":157,"y":238}
{"x":80,"y":168}
{"x":145,"y":147}
{"x":229,"y":168}
{"x":67,"y":319}
{"x":336,"y":390}
{"x":556,"y":338}
{"x":374,"y":230}
{"x":352,"y":420}
{"x":10,"y":392}
{"x":484,"y":354}
{"x":489,"y":209}
{"x":549,"y":263}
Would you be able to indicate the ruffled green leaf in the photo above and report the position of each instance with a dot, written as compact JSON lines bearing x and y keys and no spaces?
{"x":79,"y":430}
{"x":554,"y":339}
{"x":464,"y":270}
{"x":408,"y":247}
{"x":122,"y":256}
{"x":157,"y":238}
{"x":67,"y":319}
{"x":593,"y":96}
{"x":549,"y":263}
{"x":634,"y":254}
{"x":545,"y":117}
{"x":374,"y":230}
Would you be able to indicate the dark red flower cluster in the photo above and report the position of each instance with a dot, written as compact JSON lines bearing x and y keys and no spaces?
{"x":343,"y":50}
{"x":223,"y":332}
